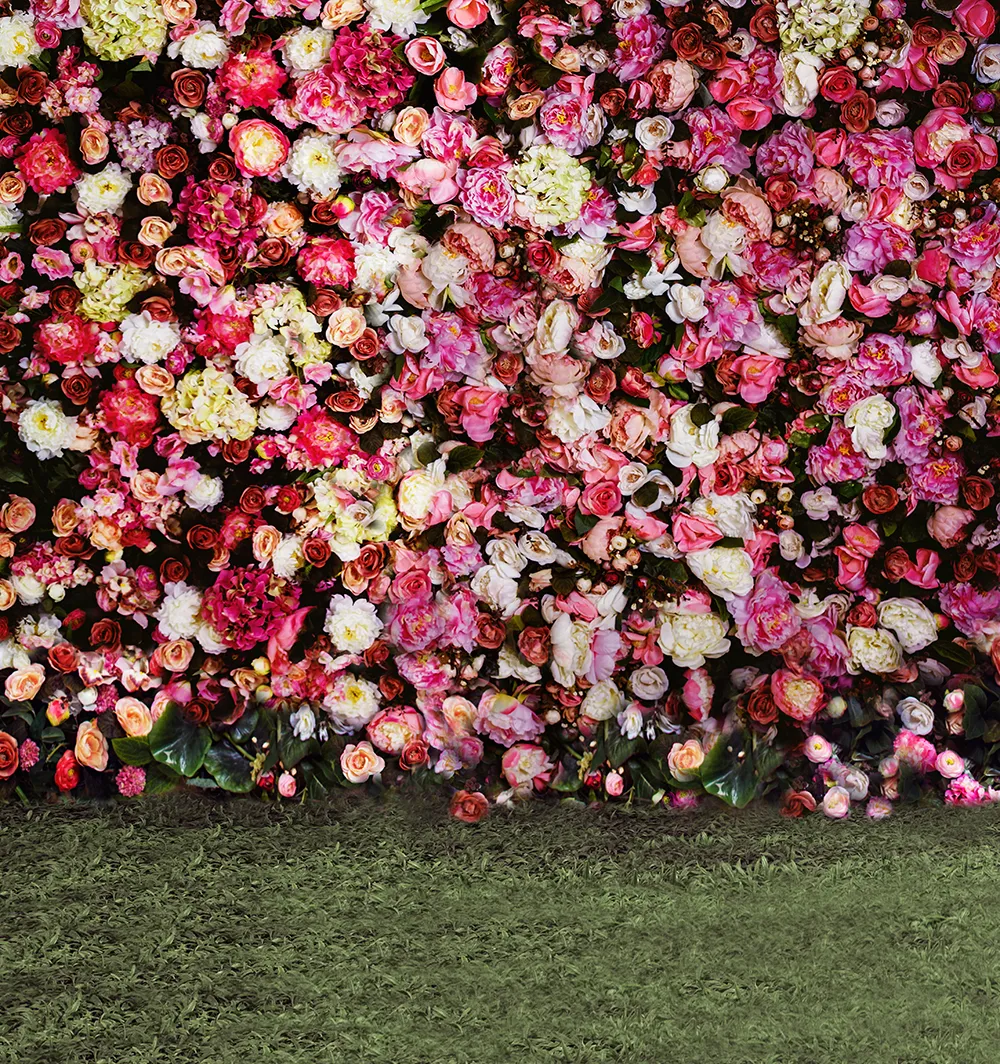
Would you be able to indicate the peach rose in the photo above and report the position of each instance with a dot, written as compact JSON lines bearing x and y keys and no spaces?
{"x":7,"y":546}
{"x":284,"y":219}
{"x":64,"y":517}
{"x":410,"y":125}
{"x":94,"y":145}
{"x":8,"y":596}
{"x":177,"y":654}
{"x":17,"y":514}
{"x":153,"y":189}
{"x":154,"y":380}
{"x":685,"y":759}
{"x":133,"y":716}
{"x":345,"y":326}
{"x":265,"y":542}
{"x":12,"y":188}
{"x":144,"y":486}
{"x":91,"y":746}
{"x":154,"y":232}
{"x":23,"y":684}
{"x":178,"y":12}
{"x":360,"y":762}
{"x":337,"y":13}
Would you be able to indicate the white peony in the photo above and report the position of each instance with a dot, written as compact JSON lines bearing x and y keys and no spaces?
{"x":45,"y":429}
{"x":205,"y":494}
{"x":689,"y":638}
{"x":177,"y":616}
{"x":916,"y":716}
{"x":104,"y":191}
{"x":873,"y":650}
{"x":147,"y":340}
{"x":725,"y":571}
{"x":911,"y":621}
{"x":353,"y":626}
{"x":312,"y":165}
{"x":603,"y":701}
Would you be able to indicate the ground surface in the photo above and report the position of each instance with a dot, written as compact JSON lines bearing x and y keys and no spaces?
{"x":181,"y":931}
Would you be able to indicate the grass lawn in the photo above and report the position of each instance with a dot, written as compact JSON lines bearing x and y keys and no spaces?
{"x":182,"y":931}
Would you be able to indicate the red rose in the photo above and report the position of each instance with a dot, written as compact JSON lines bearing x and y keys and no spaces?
{"x":378,"y":654}
{"x":469,"y":806}
{"x":171,"y":160}
{"x":857,"y":113}
{"x":222,"y":168}
{"x":964,"y":567}
{"x":613,"y":101}
{"x":31,"y":85}
{"x":952,"y":94}
{"x":837,"y":84}
{"x":8,"y":755}
{"x":189,"y":87}
{"x":173,"y":570}
{"x":288,"y":499}
{"x":77,"y":388}
{"x":46,"y":232}
{"x":541,"y":256}
{"x":535,"y":644}
{"x":897,"y":563}
{"x":105,"y":634}
{"x":67,"y":771}
{"x":492,"y":632}
{"x":797,"y":803}
{"x":761,"y":706}
{"x":201,"y":537}
{"x":236,"y":451}
{"x":779,"y":191}
{"x":63,"y":657}
{"x":964,"y":159}
{"x":687,"y":41}
{"x":880,"y":498}
{"x":10,"y":337}
{"x":414,"y":754}
{"x":863,"y":615}
{"x":64,"y":300}
{"x":764,"y":24}
{"x":977,"y":492}
{"x":601,"y":383}
{"x":507,"y":368}
{"x":316,"y":551}
{"x":253,"y":500}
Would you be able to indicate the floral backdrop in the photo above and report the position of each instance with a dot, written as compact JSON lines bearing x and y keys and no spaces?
{"x":588,"y":398}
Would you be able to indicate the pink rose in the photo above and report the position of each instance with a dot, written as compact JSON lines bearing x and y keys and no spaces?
{"x":425,"y":55}
{"x":692,"y":533}
{"x":947,"y":525}
{"x":749,"y":113}
{"x":975,"y":18}
{"x":467,"y":14}
{"x":453,"y":92}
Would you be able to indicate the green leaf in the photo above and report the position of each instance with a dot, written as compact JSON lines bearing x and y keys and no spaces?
{"x":733,"y":769}
{"x":701,"y":414}
{"x":954,"y":656}
{"x":291,"y":750}
{"x":177,"y":743}
{"x":583,"y":523}
{"x":132,"y":751}
{"x":973,"y":720}
{"x":229,"y":768}
{"x":160,"y":780}
{"x":242,"y":729}
{"x":463,"y":457}
{"x":619,"y":748}
{"x":738,"y":419}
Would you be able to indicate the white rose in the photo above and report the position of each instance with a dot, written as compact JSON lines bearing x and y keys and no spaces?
{"x":868,"y":420}
{"x":725,"y":571}
{"x":689,"y":638}
{"x":791,"y":545}
{"x":912,"y":622}
{"x":692,"y":444}
{"x":652,"y":133}
{"x":826,"y":293}
{"x":873,"y":650}
{"x":603,"y":701}
{"x":206,"y":493}
{"x":555,"y":328}
{"x":687,"y":303}
{"x":352,"y":625}
{"x":925,"y":363}
{"x":571,"y":653}
{"x":916,"y":716}
{"x":649,"y":683}
{"x":801,"y":81}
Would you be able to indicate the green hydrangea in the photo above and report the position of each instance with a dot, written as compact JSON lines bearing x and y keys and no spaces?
{"x":115,"y":30}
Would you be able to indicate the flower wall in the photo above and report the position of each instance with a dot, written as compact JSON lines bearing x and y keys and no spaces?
{"x":587,"y":398}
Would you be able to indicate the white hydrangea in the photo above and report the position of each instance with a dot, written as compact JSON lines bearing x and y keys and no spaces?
{"x":353,"y":626}
{"x":146,"y":340}
{"x":312,"y":164}
{"x":820,"y":27}
{"x":45,"y":429}
{"x":551,"y":186}
{"x":103,"y":191}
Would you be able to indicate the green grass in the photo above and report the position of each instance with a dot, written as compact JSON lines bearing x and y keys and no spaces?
{"x":182,"y":931}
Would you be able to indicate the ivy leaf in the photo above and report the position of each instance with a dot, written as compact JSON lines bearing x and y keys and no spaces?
{"x":177,"y":743}
{"x":583,"y":523}
{"x":738,"y":419}
{"x":463,"y":457}
{"x":973,"y":721}
{"x":229,"y":768}
{"x":132,"y":751}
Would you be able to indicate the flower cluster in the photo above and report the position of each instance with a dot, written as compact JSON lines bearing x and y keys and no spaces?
{"x":577,"y":396}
